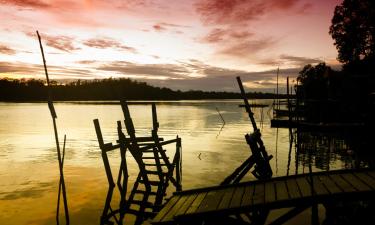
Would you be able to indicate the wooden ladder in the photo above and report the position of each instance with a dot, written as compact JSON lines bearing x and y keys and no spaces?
{"x":155,"y":168}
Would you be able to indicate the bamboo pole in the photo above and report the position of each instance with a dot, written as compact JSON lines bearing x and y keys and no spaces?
{"x":54,"y":116}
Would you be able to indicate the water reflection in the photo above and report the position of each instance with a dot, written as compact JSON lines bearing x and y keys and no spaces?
{"x":27,"y":155}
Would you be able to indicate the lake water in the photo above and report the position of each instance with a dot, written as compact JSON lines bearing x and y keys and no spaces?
{"x":28,"y":160}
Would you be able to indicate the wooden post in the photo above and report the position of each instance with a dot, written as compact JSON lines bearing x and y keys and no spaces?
{"x":54,"y":116}
{"x":247,"y":105}
{"x":277,"y":89}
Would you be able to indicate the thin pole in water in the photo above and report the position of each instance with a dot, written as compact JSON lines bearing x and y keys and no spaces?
{"x":54,"y":116}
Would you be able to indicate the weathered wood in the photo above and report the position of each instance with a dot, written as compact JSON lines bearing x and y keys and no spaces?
{"x":329,"y":184}
{"x":211,"y":201}
{"x":196,"y":203}
{"x":247,"y":198}
{"x":304,"y":186}
{"x":269,"y":192}
{"x":258,"y":197}
{"x":166,"y":208}
{"x":371,"y":174}
{"x":345,"y":186}
{"x":225,"y":201}
{"x":293,"y":189}
{"x":187,"y":204}
{"x":366,"y":179}
{"x":319,"y":188}
{"x":281,"y":190}
{"x":355,"y":182}
{"x":237,"y":197}
{"x":171,"y":213}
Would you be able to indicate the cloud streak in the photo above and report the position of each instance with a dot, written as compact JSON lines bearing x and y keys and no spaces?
{"x":105,"y":42}
{"x":240,"y":11}
{"x":6,"y":50}
{"x":62,"y":42}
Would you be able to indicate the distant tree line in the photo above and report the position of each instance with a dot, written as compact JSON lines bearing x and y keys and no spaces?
{"x":104,"y":89}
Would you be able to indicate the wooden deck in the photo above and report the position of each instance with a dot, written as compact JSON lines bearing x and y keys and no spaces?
{"x":280,"y":192}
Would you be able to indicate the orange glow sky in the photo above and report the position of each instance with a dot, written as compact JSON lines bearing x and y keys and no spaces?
{"x":184,"y":44}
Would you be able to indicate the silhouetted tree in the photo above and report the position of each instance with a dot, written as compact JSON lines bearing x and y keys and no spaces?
{"x":353,"y":29}
{"x":314,"y":80}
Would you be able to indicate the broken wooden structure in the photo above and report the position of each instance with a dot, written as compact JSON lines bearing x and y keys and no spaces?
{"x":259,"y":158}
{"x":156,"y":170}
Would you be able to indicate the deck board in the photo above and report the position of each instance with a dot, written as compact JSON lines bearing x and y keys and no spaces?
{"x":172,"y":212}
{"x":258,"y":197}
{"x":166,"y":209}
{"x":329,"y":184}
{"x":247,"y":198}
{"x":225,"y":201}
{"x":187,"y":204}
{"x":269,"y":192}
{"x":293,"y":189}
{"x":281,"y":190}
{"x":211,"y":201}
{"x":319,"y":188}
{"x":237,"y":197}
{"x":366,"y":179}
{"x":304,"y":186}
{"x":354,"y":181}
{"x":196,"y":203}
{"x":345,"y":186}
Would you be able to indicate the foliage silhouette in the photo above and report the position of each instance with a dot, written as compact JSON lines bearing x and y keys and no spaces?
{"x":105,"y":89}
{"x":353,"y":29}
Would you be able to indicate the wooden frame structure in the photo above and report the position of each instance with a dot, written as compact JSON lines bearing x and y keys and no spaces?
{"x":155,"y":170}
{"x":259,"y":158}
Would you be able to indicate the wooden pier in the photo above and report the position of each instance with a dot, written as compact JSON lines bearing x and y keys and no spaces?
{"x":298,"y":192}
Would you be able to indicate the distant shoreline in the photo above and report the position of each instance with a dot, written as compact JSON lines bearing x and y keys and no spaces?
{"x":109,"y":90}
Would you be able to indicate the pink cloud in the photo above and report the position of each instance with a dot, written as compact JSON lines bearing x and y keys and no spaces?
{"x":226,"y":35}
{"x":6,"y":50}
{"x":239,"y":11}
{"x":103,"y":43}
{"x":247,"y":47}
{"x":37,"y":4}
{"x":63,"y":43}
{"x":159,"y":27}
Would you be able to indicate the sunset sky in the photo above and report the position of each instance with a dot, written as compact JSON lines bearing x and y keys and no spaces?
{"x":182,"y":44}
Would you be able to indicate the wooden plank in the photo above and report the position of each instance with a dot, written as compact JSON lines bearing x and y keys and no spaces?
{"x":172,"y":212}
{"x":329,"y":184}
{"x":165,"y":209}
{"x":247,"y":198}
{"x":366,"y":179}
{"x":226,"y":199}
{"x":319,"y":188}
{"x":196,"y":203}
{"x":345,"y":186}
{"x":187,"y":204}
{"x":258,"y":197}
{"x":269,"y":192}
{"x":237,"y":197}
{"x":371,"y":174}
{"x":211,"y":201}
{"x":304,"y":186}
{"x":293,"y":189}
{"x":281,"y":190}
{"x":354,"y":181}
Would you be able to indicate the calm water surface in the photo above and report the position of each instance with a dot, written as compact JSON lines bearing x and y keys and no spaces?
{"x":28,"y":160}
